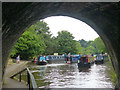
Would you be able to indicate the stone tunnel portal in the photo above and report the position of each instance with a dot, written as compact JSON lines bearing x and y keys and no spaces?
{"x":102,"y":17}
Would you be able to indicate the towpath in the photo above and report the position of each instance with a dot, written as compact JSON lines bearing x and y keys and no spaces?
{"x":11,"y":83}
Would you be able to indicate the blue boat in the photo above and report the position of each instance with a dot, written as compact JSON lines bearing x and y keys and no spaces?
{"x":42,"y":60}
{"x":74,"y":58}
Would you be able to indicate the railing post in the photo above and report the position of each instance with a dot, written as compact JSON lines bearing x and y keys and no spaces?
{"x":20,"y":77}
{"x":31,"y":78}
{"x":28,"y":78}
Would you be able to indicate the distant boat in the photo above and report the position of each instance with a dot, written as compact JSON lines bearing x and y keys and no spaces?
{"x":99,"y":59}
{"x":84,"y":62}
{"x":42,"y":60}
{"x":55,"y":59}
{"x":74,"y":58}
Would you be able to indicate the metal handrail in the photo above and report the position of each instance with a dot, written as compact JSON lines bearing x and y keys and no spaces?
{"x":29,"y":77}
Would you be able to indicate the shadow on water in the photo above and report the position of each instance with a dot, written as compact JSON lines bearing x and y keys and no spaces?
{"x":84,"y":69}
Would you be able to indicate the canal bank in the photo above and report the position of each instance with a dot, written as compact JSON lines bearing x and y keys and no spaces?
{"x":111,"y":73}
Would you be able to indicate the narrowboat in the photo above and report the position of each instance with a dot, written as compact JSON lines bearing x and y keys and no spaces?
{"x":105,"y":57}
{"x":55,"y":59}
{"x":99,"y":59}
{"x":91,"y":59}
{"x":42,"y":60}
{"x":74,"y":58}
{"x":84,"y":62}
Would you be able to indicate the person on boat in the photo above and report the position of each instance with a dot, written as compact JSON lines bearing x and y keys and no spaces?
{"x":65,"y":57}
{"x":79,"y":57}
{"x":69,"y":54}
{"x":92,"y":55}
{"x":42,"y":58}
{"x":68,"y":58}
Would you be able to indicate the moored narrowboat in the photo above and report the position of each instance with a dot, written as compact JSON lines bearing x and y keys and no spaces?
{"x":84,"y":62}
{"x":74,"y":58}
{"x":42,"y":60}
{"x":99,"y":59}
{"x":91,"y":59}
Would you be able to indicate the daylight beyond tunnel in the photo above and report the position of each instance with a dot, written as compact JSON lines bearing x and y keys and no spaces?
{"x":77,"y":28}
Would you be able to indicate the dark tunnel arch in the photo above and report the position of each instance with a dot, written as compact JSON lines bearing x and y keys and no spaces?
{"x":102,"y":17}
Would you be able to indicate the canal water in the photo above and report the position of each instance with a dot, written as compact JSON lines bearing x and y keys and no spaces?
{"x":69,"y":76}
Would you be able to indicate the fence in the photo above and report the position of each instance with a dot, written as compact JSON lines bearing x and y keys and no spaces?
{"x":30,"y":79}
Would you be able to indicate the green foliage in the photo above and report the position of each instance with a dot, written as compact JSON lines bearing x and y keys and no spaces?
{"x":43,"y":30}
{"x":78,"y":47}
{"x":90,"y":50}
{"x":30,"y":44}
{"x":92,"y":47}
{"x":37,"y":40}
{"x":66,"y":42}
{"x":13,"y":52}
{"x":83,"y":43}
{"x":41,"y":27}
{"x":52,"y":46}
{"x":100,"y":45}
{"x":110,"y":71}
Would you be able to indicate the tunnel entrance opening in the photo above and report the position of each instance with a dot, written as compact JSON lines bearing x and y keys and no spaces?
{"x":89,"y":47}
{"x":100,"y":16}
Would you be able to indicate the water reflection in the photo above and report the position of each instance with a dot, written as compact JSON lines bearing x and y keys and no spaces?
{"x":84,"y":69}
{"x":69,"y":76}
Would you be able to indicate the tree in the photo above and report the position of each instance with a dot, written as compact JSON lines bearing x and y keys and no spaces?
{"x":52,"y":46}
{"x":41,"y":27}
{"x":78,"y":47}
{"x":90,"y":50}
{"x":83,"y":43}
{"x":92,"y":47}
{"x":100,"y":45}
{"x":32,"y":42}
{"x":66,"y":42}
{"x":43,"y":30}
